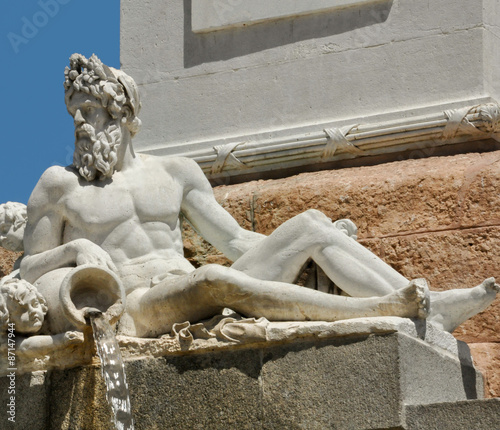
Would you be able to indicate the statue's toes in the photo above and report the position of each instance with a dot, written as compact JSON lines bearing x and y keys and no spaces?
{"x":490,"y":284}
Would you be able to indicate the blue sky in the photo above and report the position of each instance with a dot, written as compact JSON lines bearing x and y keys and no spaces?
{"x":37,"y":38}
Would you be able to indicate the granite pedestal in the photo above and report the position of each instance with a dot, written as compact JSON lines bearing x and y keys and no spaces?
{"x":370,"y":381}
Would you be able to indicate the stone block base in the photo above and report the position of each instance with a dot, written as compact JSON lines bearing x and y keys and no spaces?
{"x":466,"y":415}
{"x":355,"y":382}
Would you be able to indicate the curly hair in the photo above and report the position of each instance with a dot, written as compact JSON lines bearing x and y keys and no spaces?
{"x":16,"y":290}
{"x":13,"y":213}
{"x":114,"y":88}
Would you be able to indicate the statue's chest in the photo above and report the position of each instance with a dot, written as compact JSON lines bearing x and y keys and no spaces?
{"x":106,"y":206}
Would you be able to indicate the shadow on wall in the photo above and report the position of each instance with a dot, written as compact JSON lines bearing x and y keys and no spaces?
{"x":219,"y":45}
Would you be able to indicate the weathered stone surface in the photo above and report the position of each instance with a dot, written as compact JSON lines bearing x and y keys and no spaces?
{"x":30,"y":397}
{"x":49,"y":353}
{"x":198,"y":251}
{"x":345,"y":392}
{"x":7,"y":260}
{"x":465,"y":415}
{"x":407,"y":196}
{"x":90,"y":411}
{"x":269,"y":79}
{"x":487,"y":360}
{"x":450,"y":259}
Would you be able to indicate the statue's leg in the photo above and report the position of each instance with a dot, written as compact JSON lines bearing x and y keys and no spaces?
{"x":209,"y":289}
{"x":352,"y":267}
{"x":355,"y":269}
{"x":452,"y":307}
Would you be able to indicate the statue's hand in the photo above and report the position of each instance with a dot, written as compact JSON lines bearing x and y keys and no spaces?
{"x":72,"y":337}
{"x":88,"y":252}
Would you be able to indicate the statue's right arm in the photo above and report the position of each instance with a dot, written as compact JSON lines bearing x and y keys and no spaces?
{"x":44,"y":249}
{"x":43,"y":344}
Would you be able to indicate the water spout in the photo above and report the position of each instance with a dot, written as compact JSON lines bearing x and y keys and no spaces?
{"x":93,"y":295}
{"x":113,"y":370}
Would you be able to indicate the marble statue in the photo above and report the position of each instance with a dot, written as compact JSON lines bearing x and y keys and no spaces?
{"x":21,"y":304}
{"x":12,"y":223}
{"x":120,"y":211}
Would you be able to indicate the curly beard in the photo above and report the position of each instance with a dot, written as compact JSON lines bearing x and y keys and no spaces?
{"x":95,"y":154}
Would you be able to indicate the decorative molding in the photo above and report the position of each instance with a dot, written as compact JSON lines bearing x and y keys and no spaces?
{"x":487,"y":117}
{"x":446,"y":127}
{"x":419,"y":129}
{"x":337,"y":139}
{"x":226,"y":158}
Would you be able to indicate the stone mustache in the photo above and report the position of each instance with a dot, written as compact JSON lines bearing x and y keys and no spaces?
{"x":105,"y":233}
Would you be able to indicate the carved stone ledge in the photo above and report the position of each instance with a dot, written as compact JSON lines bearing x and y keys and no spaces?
{"x":77,"y":351}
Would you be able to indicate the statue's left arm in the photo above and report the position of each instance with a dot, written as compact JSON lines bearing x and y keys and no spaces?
{"x":208,"y":217}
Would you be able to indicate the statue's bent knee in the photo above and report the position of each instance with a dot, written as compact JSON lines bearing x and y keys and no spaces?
{"x":209,"y":275}
{"x":312,"y":216}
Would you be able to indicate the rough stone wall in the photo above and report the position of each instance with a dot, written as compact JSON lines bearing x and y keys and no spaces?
{"x":434,"y":218}
{"x":7,"y":260}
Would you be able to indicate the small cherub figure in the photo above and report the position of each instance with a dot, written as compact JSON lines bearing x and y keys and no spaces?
{"x":12,"y":224}
{"x":22,"y":305}
{"x":13,"y":221}
{"x":20,"y":302}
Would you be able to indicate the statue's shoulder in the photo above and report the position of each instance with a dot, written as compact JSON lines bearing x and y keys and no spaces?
{"x":57,"y":177}
{"x":183,"y":171}
{"x":178,"y":162}
{"x":177,"y":166}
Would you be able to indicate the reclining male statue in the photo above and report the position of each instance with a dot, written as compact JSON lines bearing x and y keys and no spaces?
{"x":121,"y":210}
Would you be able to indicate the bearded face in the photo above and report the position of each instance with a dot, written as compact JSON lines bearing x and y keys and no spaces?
{"x":98,"y":97}
{"x":95,"y":153}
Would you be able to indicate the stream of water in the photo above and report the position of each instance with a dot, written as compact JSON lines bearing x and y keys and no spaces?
{"x":113,"y":372}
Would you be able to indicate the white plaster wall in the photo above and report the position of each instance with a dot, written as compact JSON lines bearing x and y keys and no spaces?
{"x":211,"y":15}
{"x":491,"y":48}
{"x":374,"y":58}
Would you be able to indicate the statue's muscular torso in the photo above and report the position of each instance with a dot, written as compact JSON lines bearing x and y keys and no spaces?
{"x":134,"y":217}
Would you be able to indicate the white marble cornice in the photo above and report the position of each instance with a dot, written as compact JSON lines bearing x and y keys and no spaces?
{"x":442,"y":125}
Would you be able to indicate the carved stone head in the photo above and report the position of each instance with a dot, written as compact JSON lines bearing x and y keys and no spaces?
{"x":22,"y":305}
{"x":115,"y":89}
{"x":101,"y":99}
{"x":12,"y":224}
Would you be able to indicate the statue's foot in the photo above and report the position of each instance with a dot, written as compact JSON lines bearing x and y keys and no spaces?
{"x":347,"y":227}
{"x":451,"y":308}
{"x":408,"y":302}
